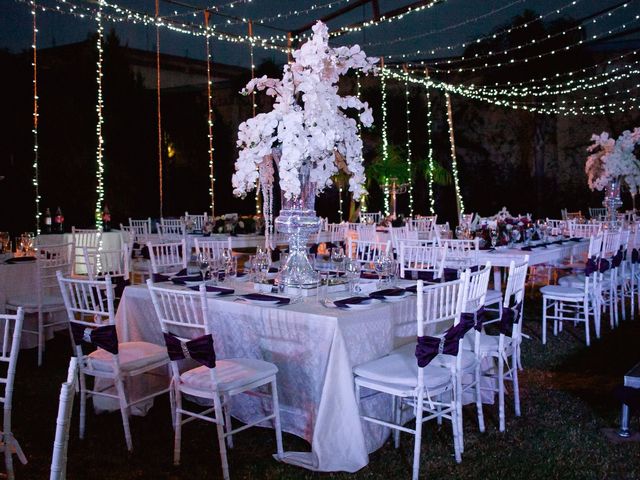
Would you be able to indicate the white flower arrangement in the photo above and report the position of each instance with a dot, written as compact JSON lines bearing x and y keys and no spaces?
{"x":611,"y":159}
{"x":308,"y":124}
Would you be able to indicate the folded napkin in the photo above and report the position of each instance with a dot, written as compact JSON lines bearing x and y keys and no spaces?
{"x":575,"y":239}
{"x":20,"y":260}
{"x":426,"y":276}
{"x":264,"y":298}
{"x":388,"y":292}
{"x":370,"y":275}
{"x":212,"y":289}
{"x":181,"y":280}
{"x":345,"y":302}
{"x":527,"y":249}
{"x":162,"y":277}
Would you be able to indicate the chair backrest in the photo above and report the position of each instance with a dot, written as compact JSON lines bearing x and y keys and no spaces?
{"x":63,"y":422}
{"x":466,"y":218}
{"x":366,"y":232}
{"x":84,"y":237}
{"x":170,"y":230}
{"x":50,"y":260}
{"x":167,"y":257}
{"x":371,"y":217}
{"x":114,"y":263}
{"x":597,"y":212}
{"x":477,"y":290}
{"x":584,"y":230}
{"x":573,"y":215}
{"x":10,"y":334}
{"x":402,"y":233}
{"x":137,"y":233}
{"x":461,"y":253}
{"x":610,"y":243}
{"x":439,"y":303}
{"x":338,"y":231}
{"x":414,"y":257}
{"x":212,"y":248}
{"x":197,"y":221}
{"x":366,"y":252}
{"x":141,"y":223}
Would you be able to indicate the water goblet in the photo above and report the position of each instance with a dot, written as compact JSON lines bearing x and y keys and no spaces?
{"x":352,"y":272}
{"x":203,"y":262}
{"x":337,"y":257}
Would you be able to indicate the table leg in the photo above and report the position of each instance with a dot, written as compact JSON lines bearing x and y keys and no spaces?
{"x":497,"y":278}
{"x":624,"y":431}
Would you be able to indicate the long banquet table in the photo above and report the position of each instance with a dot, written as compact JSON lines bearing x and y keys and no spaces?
{"x":315,"y":349}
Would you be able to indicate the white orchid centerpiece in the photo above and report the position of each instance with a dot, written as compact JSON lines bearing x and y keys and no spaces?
{"x":308,"y":126}
{"x":614,"y":159}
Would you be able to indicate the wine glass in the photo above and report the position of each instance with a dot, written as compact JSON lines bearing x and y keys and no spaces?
{"x":262,"y":267}
{"x":203,"y":262}
{"x":352,"y":272}
{"x":337,"y":257}
{"x":380,"y":266}
{"x":493,"y":234}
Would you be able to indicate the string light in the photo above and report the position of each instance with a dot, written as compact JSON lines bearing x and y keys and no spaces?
{"x":292,"y":13}
{"x":253,"y":109}
{"x":363,"y":198}
{"x":210,"y":120}
{"x":431,"y":165}
{"x":385,"y":143}
{"x":100,"y":123}
{"x":159,"y":111}
{"x":340,"y":212}
{"x":408,"y":115}
{"x":454,"y":163}
{"x":36,"y":152}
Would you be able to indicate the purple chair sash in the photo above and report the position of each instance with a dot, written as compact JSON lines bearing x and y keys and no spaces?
{"x":510,"y":316}
{"x":635,"y":256}
{"x":199,"y":349}
{"x":429,"y":347}
{"x":604,"y":265}
{"x":477,"y":318}
{"x":590,"y":267}
{"x":104,"y":337}
{"x":617,"y":259}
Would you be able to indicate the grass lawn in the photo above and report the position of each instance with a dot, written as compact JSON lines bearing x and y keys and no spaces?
{"x":565,"y":395}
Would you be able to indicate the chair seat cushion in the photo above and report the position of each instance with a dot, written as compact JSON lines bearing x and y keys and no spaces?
{"x":402,"y":369}
{"x":132,"y":355}
{"x":30,"y":300}
{"x":468,"y":358}
{"x":231,"y":373}
{"x":493,"y":296}
{"x":573,"y":281}
{"x":490,"y":343}
{"x":560,"y":291}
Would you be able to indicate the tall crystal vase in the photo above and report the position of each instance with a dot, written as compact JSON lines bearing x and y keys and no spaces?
{"x":298,"y":220}
{"x":612,"y":200}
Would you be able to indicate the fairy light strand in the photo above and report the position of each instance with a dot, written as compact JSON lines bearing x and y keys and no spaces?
{"x":454,"y":163}
{"x":36,"y":152}
{"x":100,"y":121}
{"x":385,"y":143}
{"x":409,"y":166}
{"x":212,"y":195}
{"x":363,"y":198}
{"x":253,"y":109}
{"x":431,"y":165}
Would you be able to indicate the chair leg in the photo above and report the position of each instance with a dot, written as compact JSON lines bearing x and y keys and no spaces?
{"x":478,"y":379}
{"x":8,"y":457}
{"x":396,"y":405}
{"x":278,"y":426}
{"x":124,"y":412}
{"x":221,"y":442}
{"x":227,"y":420}
{"x":177,"y":428}
{"x":172,"y":403}
{"x":544,"y":320}
{"x":585,"y":305}
{"x":418,"y":436}
{"x":501,"y":392}
{"x":40,"y":337}
{"x":516,"y":385}
{"x":456,"y":432}
{"x":83,"y":402}
{"x":458,"y":400}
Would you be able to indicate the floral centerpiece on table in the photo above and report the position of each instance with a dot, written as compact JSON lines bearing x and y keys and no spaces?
{"x":508,"y":227}
{"x":233,"y":224}
{"x":308,"y":124}
{"x":611,"y":160}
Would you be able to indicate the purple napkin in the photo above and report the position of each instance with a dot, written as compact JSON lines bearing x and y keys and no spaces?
{"x":370,"y":275}
{"x":263,"y":297}
{"x":388,"y":292}
{"x":181,"y":280}
{"x":212,"y":289}
{"x":345,"y":302}
{"x":20,"y":260}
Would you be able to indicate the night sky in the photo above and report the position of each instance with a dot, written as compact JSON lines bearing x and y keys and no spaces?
{"x":58,"y":29}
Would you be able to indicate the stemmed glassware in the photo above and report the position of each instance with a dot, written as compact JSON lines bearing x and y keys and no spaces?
{"x":493,"y":234}
{"x":337,"y":257}
{"x":204,"y":266}
{"x":262,"y":266}
{"x":352,"y":272}
{"x":383,"y":265}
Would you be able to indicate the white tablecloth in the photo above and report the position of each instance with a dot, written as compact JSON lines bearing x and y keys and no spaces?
{"x":315,"y":349}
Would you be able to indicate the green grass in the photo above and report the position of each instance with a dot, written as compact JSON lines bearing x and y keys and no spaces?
{"x":565,"y":394}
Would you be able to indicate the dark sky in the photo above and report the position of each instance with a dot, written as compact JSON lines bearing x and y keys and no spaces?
{"x":57,"y":29}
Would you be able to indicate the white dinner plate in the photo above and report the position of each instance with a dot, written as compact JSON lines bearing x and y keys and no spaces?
{"x":363,"y":305}
{"x":261,"y":302}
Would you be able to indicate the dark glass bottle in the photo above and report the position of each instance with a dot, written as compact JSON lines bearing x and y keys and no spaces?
{"x":58,"y":221}
{"x":47,"y":221}
{"x":106,"y":219}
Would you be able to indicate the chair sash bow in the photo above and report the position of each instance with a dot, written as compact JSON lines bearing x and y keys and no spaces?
{"x":604,"y":265}
{"x":429,"y":347}
{"x":617,"y":259}
{"x":590,"y":267}
{"x":199,"y":349}
{"x":510,"y":316}
{"x":104,"y":337}
{"x":476,"y":318}
{"x":635,"y":256}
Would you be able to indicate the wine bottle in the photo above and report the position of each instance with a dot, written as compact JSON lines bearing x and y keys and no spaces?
{"x":47,"y":221}
{"x":58,"y":220}
{"x":106,"y":219}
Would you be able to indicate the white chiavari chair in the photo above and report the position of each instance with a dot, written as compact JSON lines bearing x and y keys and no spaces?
{"x":91,"y":316}
{"x":575,"y":299}
{"x":399,"y":234}
{"x":366,"y":233}
{"x":505,"y":346}
{"x":196,"y":221}
{"x":461,"y":254}
{"x":46,"y":298}
{"x":170,"y":230}
{"x":597,"y":213}
{"x":167,"y":258}
{"x":630,"y":273}
{"x":84,"y":237}
{"x":584,"y":230}
{"x":63,"y":422}
{"x":413,"y":377}
{"x":212,"y":249}
{"x":421,"y":260}
{"x":114,"y":263}
{"x":371,"y":217}
{"x":141,"y":223}
{"x":337,"y":232}
{"x":10,"y":334}
{"x":366,"y":252}
{"x":136,"y":237}
{"x":185,"y":321}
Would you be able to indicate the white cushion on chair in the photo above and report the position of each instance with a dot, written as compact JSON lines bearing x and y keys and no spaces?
{"x":493,"y":296}
{"x":132,"y":355}
{"x":468,"y":358}
{"x":490,"y":343}
{"x":399,"y":369}
{"x":231,"y":373}
{"x":31,"y":301}
{"x":573,"y":281}
{"x":560,"y":291}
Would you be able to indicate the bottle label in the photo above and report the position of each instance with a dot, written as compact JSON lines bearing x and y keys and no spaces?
{"x":47,"y":221}
{"x":59,"y":219}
